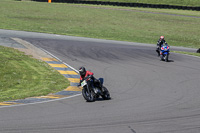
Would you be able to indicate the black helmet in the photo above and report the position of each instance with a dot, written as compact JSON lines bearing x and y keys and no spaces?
{"x":82,"y":71}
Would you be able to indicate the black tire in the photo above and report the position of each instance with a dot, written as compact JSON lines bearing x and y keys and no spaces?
{"x":89,"y":97}
{"x":166,"y":58}
{"x":106,"y":93}
{"x":161,"y":57}
{"x":97,"y":96}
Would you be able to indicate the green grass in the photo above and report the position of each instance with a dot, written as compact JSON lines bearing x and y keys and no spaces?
{"x":188,"y":53}
{"x":22,"y":76}
{"x":115,"y":23}
{"x":165,"y":2}
{"x":86,"y":21}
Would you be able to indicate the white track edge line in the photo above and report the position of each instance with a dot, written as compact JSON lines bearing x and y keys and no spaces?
{"x":59,"y":60}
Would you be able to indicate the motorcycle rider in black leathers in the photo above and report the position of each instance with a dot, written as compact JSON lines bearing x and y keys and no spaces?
{"x":83,"y":73}
{"x":160,"y":42}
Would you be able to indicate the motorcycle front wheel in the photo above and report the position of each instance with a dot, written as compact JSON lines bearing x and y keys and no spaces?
{"x":166,"y":58}
{"x":88,"y":96}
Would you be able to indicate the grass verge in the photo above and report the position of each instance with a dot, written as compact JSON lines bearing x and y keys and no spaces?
{"x":22,"y":76}
{"x":104,"y":22}
{"x":188,"y":53}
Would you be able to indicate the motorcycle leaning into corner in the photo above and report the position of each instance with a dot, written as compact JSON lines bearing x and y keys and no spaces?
{"x":164,"y":53}
{"x":91,"y":91}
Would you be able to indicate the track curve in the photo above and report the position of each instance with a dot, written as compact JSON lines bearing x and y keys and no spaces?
{"x":148,"y":95}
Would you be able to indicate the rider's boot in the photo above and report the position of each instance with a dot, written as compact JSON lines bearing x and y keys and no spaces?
{"x":100,"y":86}
{"x":158,"y":52}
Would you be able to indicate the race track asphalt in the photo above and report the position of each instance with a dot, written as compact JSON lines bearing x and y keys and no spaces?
{"x":148,"y":95}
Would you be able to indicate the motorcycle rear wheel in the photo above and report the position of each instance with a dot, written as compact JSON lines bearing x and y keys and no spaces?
{"x":106,"y":93}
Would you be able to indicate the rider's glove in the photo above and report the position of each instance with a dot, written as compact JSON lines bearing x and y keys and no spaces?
{"x":79,"y":85}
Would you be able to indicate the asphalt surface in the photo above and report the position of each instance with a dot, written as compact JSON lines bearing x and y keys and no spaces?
{"x":148,"y":95}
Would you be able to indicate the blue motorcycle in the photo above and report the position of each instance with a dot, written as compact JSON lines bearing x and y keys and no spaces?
{"x":164,"y":52}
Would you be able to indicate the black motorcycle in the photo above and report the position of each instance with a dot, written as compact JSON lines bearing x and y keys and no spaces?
{"x":91,"y":91}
